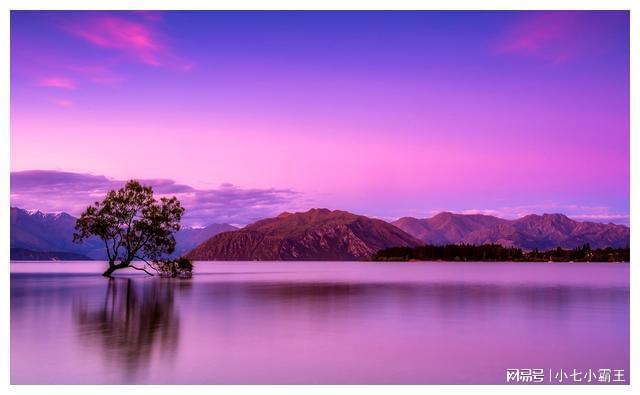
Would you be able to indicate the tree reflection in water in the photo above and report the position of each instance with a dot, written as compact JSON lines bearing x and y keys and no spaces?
{"x":137,"y":322}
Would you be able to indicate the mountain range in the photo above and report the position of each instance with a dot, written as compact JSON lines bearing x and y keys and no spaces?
{"x":322,"y":234}
{"x":47,"y":236}
{"x":529,"y":232}
{"x":21,"y":254}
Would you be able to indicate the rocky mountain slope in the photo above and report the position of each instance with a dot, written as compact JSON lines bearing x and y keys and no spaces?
{"x":318,"y":234}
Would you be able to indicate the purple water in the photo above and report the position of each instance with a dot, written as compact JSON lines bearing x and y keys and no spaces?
{"x":317,"y":323}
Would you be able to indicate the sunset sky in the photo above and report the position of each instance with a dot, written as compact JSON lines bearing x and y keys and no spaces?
{"x":387,"y":114}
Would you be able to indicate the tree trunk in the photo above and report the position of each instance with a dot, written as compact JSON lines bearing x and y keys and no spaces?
{"x":112,"y":268}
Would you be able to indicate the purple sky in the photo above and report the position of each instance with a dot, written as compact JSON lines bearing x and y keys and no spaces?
{"x":245,"y":114}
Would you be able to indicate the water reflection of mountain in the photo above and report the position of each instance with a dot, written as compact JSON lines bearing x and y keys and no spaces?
{"x":136,"y":322}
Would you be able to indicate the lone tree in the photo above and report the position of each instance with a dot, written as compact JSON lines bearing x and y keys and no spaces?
{"x":133,"y":226}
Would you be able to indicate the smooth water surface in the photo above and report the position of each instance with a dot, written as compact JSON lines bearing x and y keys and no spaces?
{"x":316,"y":322}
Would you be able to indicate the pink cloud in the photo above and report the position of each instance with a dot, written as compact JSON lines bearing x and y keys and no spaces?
{"x":98,"y":74}
{"x":552,"y":35}
{"x":57,"y":82}
{"x":61,"y":102}
{"x":139,"y":40}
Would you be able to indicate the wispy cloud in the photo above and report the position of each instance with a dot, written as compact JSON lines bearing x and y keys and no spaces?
{"x":554,"y":36}
{"x":136,"y":39}
{"x":57,"y":82}
{"x":136,"y":35}
{"x":61,"y":102}
{"x":98,"y":74}
{"x":50,"y":191}
{"x":126,"y":36}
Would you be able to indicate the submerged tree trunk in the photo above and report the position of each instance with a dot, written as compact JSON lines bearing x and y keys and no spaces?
{"x":112,"y":268}
{"x":108,"y":272}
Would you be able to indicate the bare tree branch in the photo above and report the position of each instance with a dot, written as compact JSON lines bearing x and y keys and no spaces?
{"x":140,"y":268}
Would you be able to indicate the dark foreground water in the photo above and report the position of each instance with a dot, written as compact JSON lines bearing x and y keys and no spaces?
{"x":320,"y":323}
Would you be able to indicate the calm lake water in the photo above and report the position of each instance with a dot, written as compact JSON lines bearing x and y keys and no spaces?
{"x":317,"y":323}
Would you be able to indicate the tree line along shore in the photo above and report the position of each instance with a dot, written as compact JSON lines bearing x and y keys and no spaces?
{"x":498,"y":253}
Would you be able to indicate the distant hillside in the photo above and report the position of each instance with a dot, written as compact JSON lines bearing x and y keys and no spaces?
{"x":43,"y":233}
{"x":37,"y":231}
{"x":21,"y":254}
{"x":530,"y":232}
{"x":447,"y":228}
{"x":318,"y":234}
